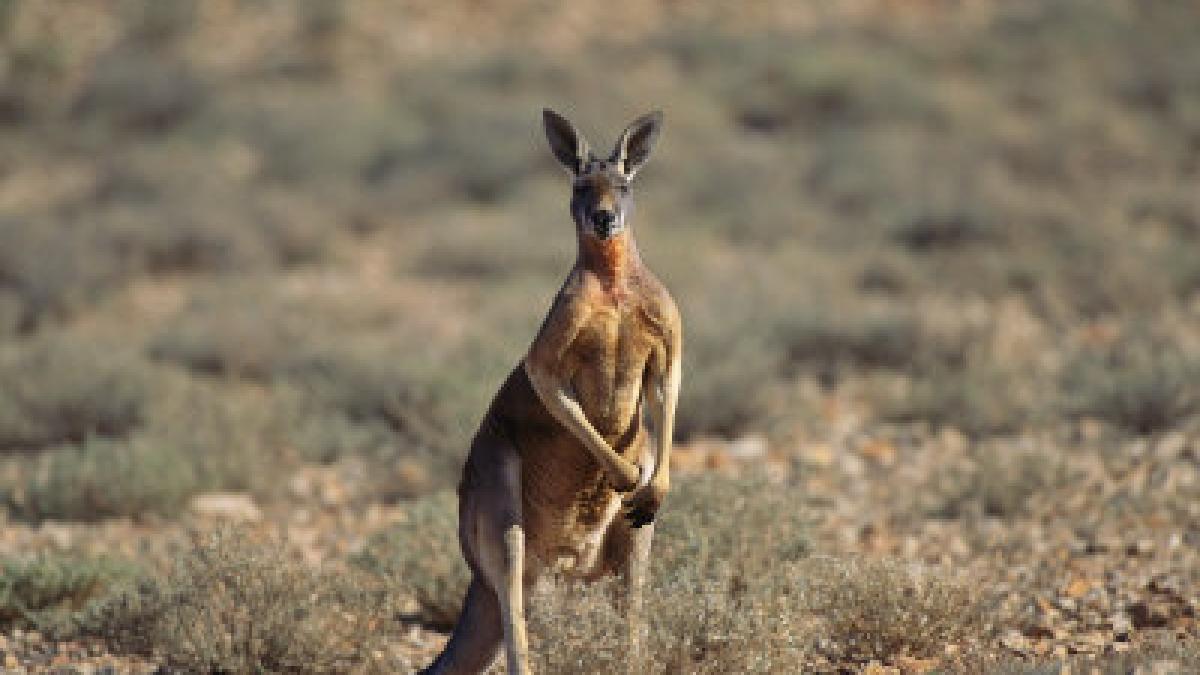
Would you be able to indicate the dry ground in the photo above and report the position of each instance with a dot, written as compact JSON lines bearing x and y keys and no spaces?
{"x":263,"y":263}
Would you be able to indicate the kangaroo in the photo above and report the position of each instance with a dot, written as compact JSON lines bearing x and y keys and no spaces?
{"x":563,"y":449}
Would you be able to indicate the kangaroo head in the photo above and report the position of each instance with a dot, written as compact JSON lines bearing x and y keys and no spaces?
{"x":600,"y":199}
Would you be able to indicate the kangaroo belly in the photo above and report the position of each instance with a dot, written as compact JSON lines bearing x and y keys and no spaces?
{"x":568,"y":505}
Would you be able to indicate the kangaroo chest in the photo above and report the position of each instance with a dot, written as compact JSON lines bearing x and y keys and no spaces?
{"x":608,"y":359}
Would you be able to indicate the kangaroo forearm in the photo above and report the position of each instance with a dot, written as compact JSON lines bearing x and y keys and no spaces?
{"x":571,"y":415}
{"x":564,"y":408}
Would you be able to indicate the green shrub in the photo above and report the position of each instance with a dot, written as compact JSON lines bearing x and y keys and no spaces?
{"x":745,"y":526}
{"x":131,"y":92}
{"x":44,"y":591}
{"x":805,"y":85}
{"x":39,"y":292}
{"x":1138,"y":385}
{"x":979,"y":401}
{"x":725,"y":386}
{"x":154,"y":22}
{"x":64,"y":392}
{"x":490,"y":254}
{"x":340,"y":397}
{"x":221,"y":336}
{"x":999,"y":482}
{"x":944,"y":229}
{"x":421,"y":558}
{"x":102,"y":478}
{"x":828,"y":342}
{"x":193,"y":442}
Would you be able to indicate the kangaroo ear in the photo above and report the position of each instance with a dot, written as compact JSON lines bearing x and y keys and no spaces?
{"x":568,"y":146}
{"x":636,"y":142}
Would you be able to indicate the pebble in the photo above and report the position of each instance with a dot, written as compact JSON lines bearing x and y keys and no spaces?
{"x":228,"y":505}
{"x":1014,"y":641}
{"x":1122,"y":627}
{"x":750,"y":446}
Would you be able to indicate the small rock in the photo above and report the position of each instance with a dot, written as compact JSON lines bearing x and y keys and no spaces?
{"x":817,"y":454}
{"x":1078,"y":588}
{"x":1067,"y":604}
{"x":300,"y":485}
{"x":1166,"y":585}
{"x":1142,"y":547}
{"x":911,"y":665}
{"x":333,"y":494}
{"x":413,"y":476}
{"x":750,"y":446}
{"x":880,"y":451}
{"x":59,"y":534}
{"x":1014,"y":641}
{"x":953,"y":440}
{"x":1122,"y":627}
{"x":230,"y":505}
{"x":1170,"y":445}
{"x":877,"y":668}
{"x":1150,"y":614}
{"x":1087,"y":643}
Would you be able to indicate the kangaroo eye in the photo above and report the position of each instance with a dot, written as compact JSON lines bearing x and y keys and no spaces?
{"x":623,"y":189}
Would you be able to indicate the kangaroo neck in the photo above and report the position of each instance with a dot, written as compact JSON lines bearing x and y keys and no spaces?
{"x":612,"y":260}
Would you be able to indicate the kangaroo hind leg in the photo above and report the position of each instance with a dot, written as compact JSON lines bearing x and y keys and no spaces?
{"x":499,"y":545}
{"x":476,"y":639}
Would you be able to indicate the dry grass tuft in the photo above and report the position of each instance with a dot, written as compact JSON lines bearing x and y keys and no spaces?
{"x":692,"y":626}
{"x":878,"y":609}
{"x":421,"y":557}
{"x":817,"y":614}
{"x":236,"y":604}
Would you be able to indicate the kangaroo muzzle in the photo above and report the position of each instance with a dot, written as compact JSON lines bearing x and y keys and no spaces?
{"x":605,"y":223}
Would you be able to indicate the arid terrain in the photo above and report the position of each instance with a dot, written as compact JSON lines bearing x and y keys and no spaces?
{"x":264,"y":262}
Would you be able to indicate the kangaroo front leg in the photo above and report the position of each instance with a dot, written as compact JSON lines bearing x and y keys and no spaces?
{"x":512,"y":605}
{"x":661,"y":394}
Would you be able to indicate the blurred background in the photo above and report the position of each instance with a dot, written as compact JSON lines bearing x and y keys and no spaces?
{"x":938,"y":263}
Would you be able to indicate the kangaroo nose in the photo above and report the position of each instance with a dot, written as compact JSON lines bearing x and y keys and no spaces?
{"x":604,"y":218}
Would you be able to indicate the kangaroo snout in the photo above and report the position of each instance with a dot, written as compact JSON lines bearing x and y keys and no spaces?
{"x":604,"y":223}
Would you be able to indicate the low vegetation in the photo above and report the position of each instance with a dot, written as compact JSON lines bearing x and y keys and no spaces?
{"x":942,"y":260}
{"x":422,"y":557}
{"x":234,"y":603}
{"x":46,"y":590}
{"x":66,"y":392}
{"x":1141,"y":385}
